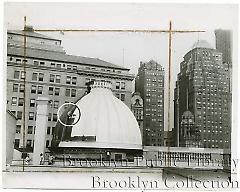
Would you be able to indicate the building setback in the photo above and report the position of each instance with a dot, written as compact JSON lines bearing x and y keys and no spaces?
{"x":52,"y":73}
{"x":202,"y":88}
{"x":150,"y":84}
{"x":224,"y":44}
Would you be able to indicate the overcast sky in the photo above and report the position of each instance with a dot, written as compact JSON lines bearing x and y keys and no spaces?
{"x":126,"y":49}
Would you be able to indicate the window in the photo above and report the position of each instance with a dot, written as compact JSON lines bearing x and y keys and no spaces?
{"x":57,"y":91}
{"x":14,"y":100}
{"x":52,"y":130}
{"x":52,"y":64}
{"x":50,"y":91}
{"x":21,"y":88}
{"x":15,"y":87}
{"x":54,"y":117}
{"x":40,"y":77}
{"x":31,"y":116}
{"x":117,"y":85}
{"x":68,"y":80}
{"x":73,"y":93}
{"x":52,"y":77}
{"x":30,"y":130}
{"x":19,"y":115}
{"x":74,"y":67}
{"x":117,"y":95}
{"x":20,"y":101}
{"x":18,"y":128}
{"x":58,"y":78}
{"x":122,"y":97}
{"x":13,"y":112}
{"x":29,"y":143}
{"x":22,"y":75}
{"x":122,"y":85}
{"x":18,"y":60}
{"x":32,"y":102}
{"x":42,"y":63}
{"x":49,"y":117}
{"x":69,"y":67}
{"x":35,"y":62}
{"x":56,"y":103}
{"x":16,"y":143}
{"x":59,"y":66}
{"x":33,"y":89}
{"x":67,"y":93}
{"x":34,"y":76}
{"x":74,"y":80}
{"x":16,"y":74}
{"x":40,"y":89}
{"x":48,"y":130}
{"x":47,"y":143}
{"x":87,"y":81}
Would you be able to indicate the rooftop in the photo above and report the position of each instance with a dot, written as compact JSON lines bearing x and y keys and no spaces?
{"x":31,"y":33}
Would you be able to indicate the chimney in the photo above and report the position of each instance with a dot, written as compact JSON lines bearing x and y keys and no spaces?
{"x":28,"y":28}
{"x":41,"y":129}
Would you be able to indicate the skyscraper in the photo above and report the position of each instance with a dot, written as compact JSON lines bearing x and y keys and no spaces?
{"x":150,"y":84}
{"x":202,"y":88}
{"x":224,"y":44}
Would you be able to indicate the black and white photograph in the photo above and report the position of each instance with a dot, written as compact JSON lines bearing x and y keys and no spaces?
{"x":120,"y":96}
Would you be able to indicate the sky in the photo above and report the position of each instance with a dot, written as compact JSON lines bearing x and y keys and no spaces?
{"x":127,"y":49}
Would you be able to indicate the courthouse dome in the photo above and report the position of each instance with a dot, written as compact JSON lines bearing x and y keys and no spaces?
{"x":202,"y":44}
{"x":105,"y":118}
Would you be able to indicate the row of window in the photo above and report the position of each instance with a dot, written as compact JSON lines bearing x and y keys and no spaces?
{"x":32,"y":102}
{"x":60,"y":66}
{"x":53,"y":91}
{"x":18,"y":114}
{"x":43,"y":63}
{"x":31,"y":130}
{"x":54,"y":78}
{"x":29,"y":143}
{"x":32,"y":116}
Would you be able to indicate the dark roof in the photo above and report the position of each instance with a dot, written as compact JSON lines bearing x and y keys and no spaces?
{"x":31,"y":34}
{"x":61,"y":57}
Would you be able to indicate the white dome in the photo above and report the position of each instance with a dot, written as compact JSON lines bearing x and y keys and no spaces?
{"x":108,"y":119}
{"x":202,"y":44}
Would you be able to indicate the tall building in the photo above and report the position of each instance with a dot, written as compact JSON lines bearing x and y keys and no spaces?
{"x":137,"y":109}
{"x":224,"y":44}
{"x":150,"y":84}
{"x":50,"y":72}
{"x":202,"y":88}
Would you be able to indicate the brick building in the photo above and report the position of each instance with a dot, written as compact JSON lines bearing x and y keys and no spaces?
{"x":150,"y":84}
